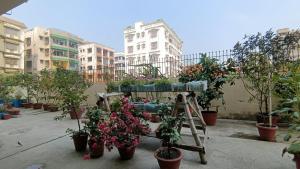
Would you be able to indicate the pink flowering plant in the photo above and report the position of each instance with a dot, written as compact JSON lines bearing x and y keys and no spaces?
{"x":124,"y":127}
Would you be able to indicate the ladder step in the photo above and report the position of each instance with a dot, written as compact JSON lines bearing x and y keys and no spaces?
{"x":199,"y":127}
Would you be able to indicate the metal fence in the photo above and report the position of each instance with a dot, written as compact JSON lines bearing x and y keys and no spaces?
{"x":168,"y":67}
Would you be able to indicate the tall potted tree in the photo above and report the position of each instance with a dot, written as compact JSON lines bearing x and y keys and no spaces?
{"x":259,"y":57}
{"x":71,"y":86}
{"x":37,"y":91}
{"x":25,"y":80}
{"x":216,"y":75}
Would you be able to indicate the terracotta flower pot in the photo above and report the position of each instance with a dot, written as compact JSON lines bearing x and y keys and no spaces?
{"x":74,"y":114}
{"x":165,"y":163}
{"x":13,"y":111}
{"x":96,"y":149}
{"x":210,"y":117}
{"x":80,"y":141}
{"x":46,"y":107}
{"x":275,"y":120}
{"x":126,"y":153}
{"x":52,"y":108}
{"x":155,"y":118}
{"x":37,"y":105}
{"x":297,"y":160}
{"x":266,"y":132}
{"x":27,"y":105}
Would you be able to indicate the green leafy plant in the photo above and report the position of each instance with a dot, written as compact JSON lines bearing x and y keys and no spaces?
{"x":259,"y":57}
{"x":25,"y":80}
{"x":6,"y":88}
{"x":214,"y":73}
{"x":36,"y":87}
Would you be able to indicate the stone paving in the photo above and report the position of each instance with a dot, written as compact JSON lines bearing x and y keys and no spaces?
{"x":35,"y":140}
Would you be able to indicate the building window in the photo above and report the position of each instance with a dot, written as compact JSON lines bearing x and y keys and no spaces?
{"x":56,"y":52}
{"x":11,"y":61}
{"x":143,"y":46}
{"x":46,"y":40}
{"x":59,"y":41}
{"x":46,"y":52}
{"x":90,"y":59}
{"x":105,"y":52}
{"x":153,"y":33}
{"x":138,"y":35}
{"x":47,"y":63}
{"x":73,"y":44}
{"x":138,"y":47}
{"x":41,"y":49}
{"x":12,"y":32}
{"x":98,"y":50}
{"x":130,"y":37}
{"x":111,"y":54}
{"x":89,"y":50}
{"x":28,"y":41}
{"x":41,"y":61}
{"x":72,"y":55}
{"x":99,"y":59}
{"x":130,"y":49}
{"x":90,"y":67}
{"x":28,"y":53}
{"x":29,"y":64}
{"x":143,"y":34}
{"x":41,"y":38}
{"x":11,"y":47}
{"x":153,"y":45}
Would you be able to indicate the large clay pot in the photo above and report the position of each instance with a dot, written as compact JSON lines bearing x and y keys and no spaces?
{"x":80,"y":141}
{"x":13,"y":111}
{"x":275,"y":120}
{"x":37,"y":105}
{"x":126,"y":153}
{"x":46,"y":107}
{"x":165,"y":163}
{"x":96,"y":149}
{"x":52,"y":108}
{"x":266,"y":132}
{"x":210,"y":117}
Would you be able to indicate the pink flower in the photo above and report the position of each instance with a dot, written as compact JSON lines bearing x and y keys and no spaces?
{"x":86,"y":157}
{"x":113,"y":139}
{"x":94,"y":146}
{"x":147,"y":115}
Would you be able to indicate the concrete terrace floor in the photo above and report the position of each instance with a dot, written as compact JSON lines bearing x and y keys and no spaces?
{"x":231,"y":145}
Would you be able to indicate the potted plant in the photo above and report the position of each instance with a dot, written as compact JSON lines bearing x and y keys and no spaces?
{"x":163,"y":85}
{"x":17,"y":102}
{"x":97,"y":131}
{"x":71,"y":87}
{"x":216,"y":75}
{"x":25,"y":81}
{"x":260,"y":56}
{"x":125,"y":128}
{"x":37,"y":91}
{"x":169,"y":157}
{"x":47,"y":87}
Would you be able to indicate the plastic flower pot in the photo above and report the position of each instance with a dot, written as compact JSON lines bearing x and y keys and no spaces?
{"x":96,"y":149}
{"x":37,"y":105}
{"x":16,"y":103}
{"x":80,"y":141}
{"x":149,"y":88}
{"x":163,"y":87}
{"x":126,"y":153}
{"x":1,"y":115}
{"x":210,"y":117}
{"x":125,"y":88}
{"x":171,"y":162}
{"x":297,"y":160}
{"x":266,"y":132}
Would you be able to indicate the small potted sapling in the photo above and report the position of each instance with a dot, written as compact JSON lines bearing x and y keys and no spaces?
{"x":260,"y":57}
{"x":97,"y":131}
{"x":169,"y":157}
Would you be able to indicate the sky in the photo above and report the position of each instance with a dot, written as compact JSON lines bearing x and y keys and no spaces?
{"x":202,"y":25}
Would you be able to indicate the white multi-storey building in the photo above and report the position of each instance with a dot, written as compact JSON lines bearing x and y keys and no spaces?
{"x":97,"y":61}
{"x":154,"y":45}
{"x":119,"y":65}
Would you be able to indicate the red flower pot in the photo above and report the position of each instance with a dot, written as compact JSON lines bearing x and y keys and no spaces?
{"x":168,"y":163}
{"x":75,"y":114}
{"x":13,"y":111}
{"x":210,"y":117}
{"x":37,"y":105}
{"x":126,"y":153}
{"x":275,"y":120}
{"x":266,"y":132}
{"x":297,"y":160}
{"x":6,"y":116}
{"x":46,"y":107}
{"x":80,"y":141}
{"x":96,"y":149}
{"x":27,"y":105}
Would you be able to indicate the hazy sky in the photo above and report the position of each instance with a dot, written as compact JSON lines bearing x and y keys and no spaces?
{"x":203,"y":25}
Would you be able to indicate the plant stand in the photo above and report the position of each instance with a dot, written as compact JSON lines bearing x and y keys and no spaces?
{"x":186,"y":100}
